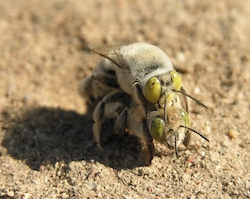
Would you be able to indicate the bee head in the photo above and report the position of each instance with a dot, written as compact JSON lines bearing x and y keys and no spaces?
{"x":161,"y":128}
{"x":173,"y":131}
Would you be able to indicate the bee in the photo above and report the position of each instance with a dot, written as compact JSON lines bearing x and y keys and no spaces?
{"x":137,"y":86}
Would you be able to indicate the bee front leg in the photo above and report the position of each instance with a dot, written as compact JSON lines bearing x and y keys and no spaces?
{"x":137,"y":125}
{"x":148,"y":148}
{"x":187,"y":139}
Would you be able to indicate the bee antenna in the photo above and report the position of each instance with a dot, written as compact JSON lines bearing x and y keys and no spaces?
{"x":175,"y":144}
{"x":195,"y":132}
{"x":197,"y":101}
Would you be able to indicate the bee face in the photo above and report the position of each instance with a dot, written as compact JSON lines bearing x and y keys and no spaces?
{"x":169,"y":130}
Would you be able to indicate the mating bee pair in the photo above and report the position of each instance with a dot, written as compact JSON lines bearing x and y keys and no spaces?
{"x":136,"y":86}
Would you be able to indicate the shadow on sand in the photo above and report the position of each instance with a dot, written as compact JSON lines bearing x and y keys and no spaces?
{"x":42,"y":136}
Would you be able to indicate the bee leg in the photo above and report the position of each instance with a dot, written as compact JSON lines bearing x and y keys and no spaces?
{"x":148,"y":148}
{"x":99,"y":112}
{"x":85,"y":88}
{"x":95,"y":87}
{"x":137,"y":124}
{"x":187,"y":139}
{"x":98,"y":120}
{"x":121,"y":122}
{"x":147,"y":153}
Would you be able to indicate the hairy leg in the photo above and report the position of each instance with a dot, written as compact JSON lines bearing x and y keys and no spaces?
{"x":118,"y":101}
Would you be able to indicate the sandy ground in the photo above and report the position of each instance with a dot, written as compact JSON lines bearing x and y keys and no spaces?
{"x":46,"y":143}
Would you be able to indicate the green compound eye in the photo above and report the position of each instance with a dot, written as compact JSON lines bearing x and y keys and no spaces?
{"x":153,"y":90}
{"x":185,"y":117}
{"x":176,"y":79}
{"x":157,"y":128}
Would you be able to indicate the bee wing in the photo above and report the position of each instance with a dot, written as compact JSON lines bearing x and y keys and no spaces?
{"x":104,"y":50}
{"x":113,"y":54}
